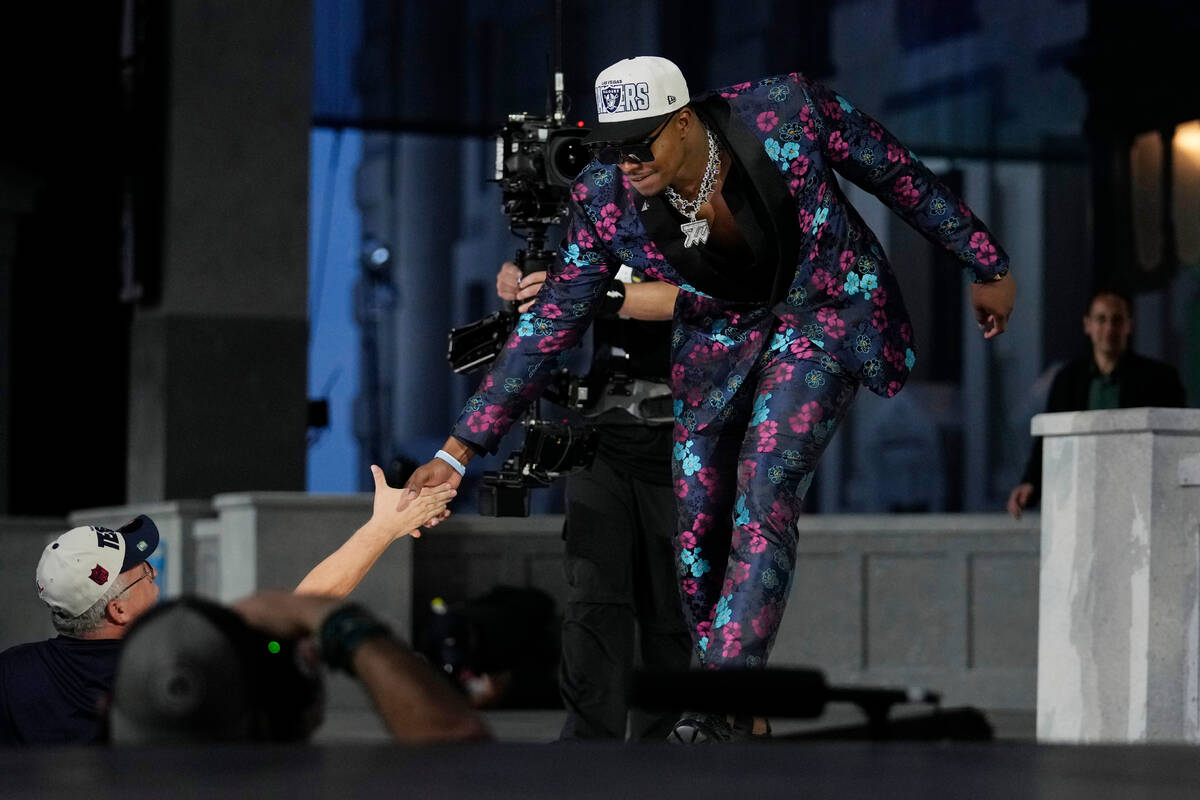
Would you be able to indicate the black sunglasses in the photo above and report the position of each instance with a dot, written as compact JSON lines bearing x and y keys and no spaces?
{"x":638,"y":152}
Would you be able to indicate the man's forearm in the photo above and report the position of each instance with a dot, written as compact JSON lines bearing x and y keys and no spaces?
{"x":344,"y":568}
{"x":416,"y":704}
{"x":649,"y":302}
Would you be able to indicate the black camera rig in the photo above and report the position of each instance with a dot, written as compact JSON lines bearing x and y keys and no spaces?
{"x":537,"y":159}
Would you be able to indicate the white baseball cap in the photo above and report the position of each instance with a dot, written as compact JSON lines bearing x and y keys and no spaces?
{"x":77,"y":568}
{"x":634,"y":96}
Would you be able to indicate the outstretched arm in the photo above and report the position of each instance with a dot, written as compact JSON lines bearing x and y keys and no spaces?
{"x":397,"y":513}
{"x":866,"y":153}
{"x":560,"y":314}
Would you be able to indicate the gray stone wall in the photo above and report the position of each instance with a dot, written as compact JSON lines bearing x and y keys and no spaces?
{"x":217,"y":397}
{"x":943,"y":602}
{"x":946,"y":602}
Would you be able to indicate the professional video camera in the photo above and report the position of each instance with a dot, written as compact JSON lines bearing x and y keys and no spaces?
{"x":537,"y":158}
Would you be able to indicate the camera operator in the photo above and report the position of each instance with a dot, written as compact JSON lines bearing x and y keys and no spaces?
{"x":620,"y":517}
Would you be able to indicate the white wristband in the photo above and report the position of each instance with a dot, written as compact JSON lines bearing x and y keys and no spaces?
{"x":451,"y":460}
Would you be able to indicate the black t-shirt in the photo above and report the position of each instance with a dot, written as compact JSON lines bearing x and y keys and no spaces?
{"x":53,"y":692}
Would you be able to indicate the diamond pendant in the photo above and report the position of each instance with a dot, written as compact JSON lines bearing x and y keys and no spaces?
{"x":695,"y":232}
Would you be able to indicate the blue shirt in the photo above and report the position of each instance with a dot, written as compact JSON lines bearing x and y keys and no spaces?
{"x":55,"y":691}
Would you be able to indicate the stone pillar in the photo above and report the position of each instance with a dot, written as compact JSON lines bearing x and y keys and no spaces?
{"x":1119,"y":610}
{"x":218,"y":393}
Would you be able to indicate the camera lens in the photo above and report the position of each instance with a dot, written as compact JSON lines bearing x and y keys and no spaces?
{"x":567,"y":156}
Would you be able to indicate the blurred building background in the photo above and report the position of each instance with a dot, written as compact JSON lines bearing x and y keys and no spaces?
{"x":233,"y":237}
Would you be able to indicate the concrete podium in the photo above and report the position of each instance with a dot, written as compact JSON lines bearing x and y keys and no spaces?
{"x":1119,"y":606}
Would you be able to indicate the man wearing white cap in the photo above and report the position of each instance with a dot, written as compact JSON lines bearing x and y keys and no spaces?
{"x":96,"y":582}
{"x":787,"y":305}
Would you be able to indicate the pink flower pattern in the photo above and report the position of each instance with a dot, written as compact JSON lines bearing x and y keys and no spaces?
{"x":606,"y":226}
{"x":809,"y":414}
{"x":767,"y":121}
{"x":767,"y":621}
{"x":906,"y":194}
{"x":840,"y":149}
{"x":766,"y":436}
{"x":730,"y":644}
{"x":781,"y":514}
{"x":847,"y":260}
{"x":985,"y":251}
{"x":834,"y":327}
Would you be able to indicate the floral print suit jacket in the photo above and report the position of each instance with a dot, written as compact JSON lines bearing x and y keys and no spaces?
{"x":820,"y":278}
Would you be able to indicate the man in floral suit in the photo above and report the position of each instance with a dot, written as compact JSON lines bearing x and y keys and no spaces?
{"x":787,"y":305}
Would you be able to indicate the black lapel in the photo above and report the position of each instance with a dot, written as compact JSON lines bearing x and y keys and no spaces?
{"x":704,"y":270}
{"x":777,"y":201}
{"x":776,"y":250}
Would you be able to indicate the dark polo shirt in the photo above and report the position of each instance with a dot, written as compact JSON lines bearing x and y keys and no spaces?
{"x":1136,"y":381}
{"x":53,"y":692}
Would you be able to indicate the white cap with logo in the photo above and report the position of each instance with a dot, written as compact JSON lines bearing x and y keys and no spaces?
{"x":77,"y":568}
{"x":634,"y":95}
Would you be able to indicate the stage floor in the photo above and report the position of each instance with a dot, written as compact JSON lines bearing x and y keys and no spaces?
{"x":814,"y":771}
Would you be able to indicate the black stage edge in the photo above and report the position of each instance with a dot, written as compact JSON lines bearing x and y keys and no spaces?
{"x":818,"y":770}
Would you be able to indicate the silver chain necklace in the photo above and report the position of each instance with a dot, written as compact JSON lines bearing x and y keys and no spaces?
{"x":696,"y":231}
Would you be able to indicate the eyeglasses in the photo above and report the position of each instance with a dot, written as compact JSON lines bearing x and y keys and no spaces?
{"x":149,"y":572}
{"x":637,"y":152}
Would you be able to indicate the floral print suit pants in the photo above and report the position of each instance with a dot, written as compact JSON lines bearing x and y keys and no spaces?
{"x":740,"y":482}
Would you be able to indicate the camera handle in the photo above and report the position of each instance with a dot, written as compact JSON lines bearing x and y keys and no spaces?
{"x":534,"y":256}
